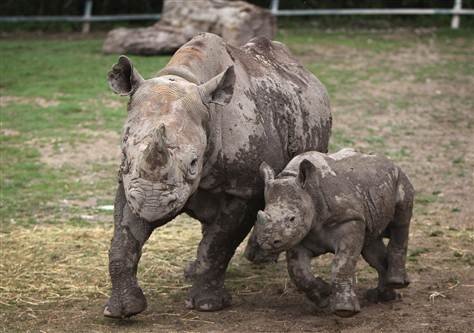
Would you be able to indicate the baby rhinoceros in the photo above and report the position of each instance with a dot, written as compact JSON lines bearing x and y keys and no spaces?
{"x":344,"y":203}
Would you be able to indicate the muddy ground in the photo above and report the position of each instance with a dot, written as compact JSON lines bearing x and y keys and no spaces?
{"x":404,"y":94}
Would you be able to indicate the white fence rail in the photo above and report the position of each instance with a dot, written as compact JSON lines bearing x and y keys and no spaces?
{"x":87,"y":18}
{"x":456,"y":11}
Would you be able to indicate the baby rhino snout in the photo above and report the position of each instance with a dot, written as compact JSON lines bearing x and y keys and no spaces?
{"x":267,"y":238}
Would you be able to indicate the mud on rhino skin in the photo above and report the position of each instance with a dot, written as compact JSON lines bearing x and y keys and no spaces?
{"x":343,"y":203}
{"x":193,"y":141}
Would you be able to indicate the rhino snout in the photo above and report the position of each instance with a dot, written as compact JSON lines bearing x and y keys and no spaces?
{"x":135,"y":199}
{"x":266,"y":237}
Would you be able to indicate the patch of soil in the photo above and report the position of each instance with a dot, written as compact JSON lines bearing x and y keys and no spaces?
{"x":9,"y":132}
{"x":101,"y":147}
{"x":35,"y":101}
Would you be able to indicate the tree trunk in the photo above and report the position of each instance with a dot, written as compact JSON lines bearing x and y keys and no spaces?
{"x":236,"y":21}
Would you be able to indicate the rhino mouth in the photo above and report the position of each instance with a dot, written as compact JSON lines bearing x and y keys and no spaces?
{"x":153,"y":202}
{"x":274,"y":246}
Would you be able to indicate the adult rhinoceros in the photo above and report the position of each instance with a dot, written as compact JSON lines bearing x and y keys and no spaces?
{"x":193,"y":142}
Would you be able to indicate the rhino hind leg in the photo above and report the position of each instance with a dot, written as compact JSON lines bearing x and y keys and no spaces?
{"x":398,"y":244}
{"x":130,"y":234}
{"x":375,"y":253}
{"x":222,"y":234}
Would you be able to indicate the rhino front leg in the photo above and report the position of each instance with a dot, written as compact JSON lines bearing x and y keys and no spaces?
{"x":299,"y":269}
{"x":222,"y":233}
{"x":350,"y":239}
{"x":130,"y":234}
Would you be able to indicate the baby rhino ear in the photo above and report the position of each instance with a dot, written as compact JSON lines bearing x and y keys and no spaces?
{"x":308,"y":174}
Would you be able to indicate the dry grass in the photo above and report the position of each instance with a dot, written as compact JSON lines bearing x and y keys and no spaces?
{"x":49,"y":264}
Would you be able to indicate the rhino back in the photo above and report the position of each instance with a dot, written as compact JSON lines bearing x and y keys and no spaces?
{"x":353,"y":186}
{"x":278,"y":110}
{"x":372,"y":181}
{"x":375,"y":180}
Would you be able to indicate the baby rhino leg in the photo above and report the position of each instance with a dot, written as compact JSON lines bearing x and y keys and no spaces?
{"x":299,"y":268}
{"x":375,"y":253}
{"x":350,"y":239}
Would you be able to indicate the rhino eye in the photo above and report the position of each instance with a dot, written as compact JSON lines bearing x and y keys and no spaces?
{"x":292,"y":218}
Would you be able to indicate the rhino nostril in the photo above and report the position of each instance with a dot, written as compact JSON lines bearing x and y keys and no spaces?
{"x":277,"y":242}
{"x":172,"y":201}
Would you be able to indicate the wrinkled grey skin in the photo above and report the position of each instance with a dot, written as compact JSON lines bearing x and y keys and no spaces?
{"x":193,"y":142}
{"x":343,"y":203}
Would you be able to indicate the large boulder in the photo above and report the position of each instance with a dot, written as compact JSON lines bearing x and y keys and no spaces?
{"x":236,"y":21}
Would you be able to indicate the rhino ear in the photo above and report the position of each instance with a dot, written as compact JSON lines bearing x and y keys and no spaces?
{"x":219,"y":89}
{"x":123,"y":78}
{"x":308,"y":174}
{"x":266,"y":172}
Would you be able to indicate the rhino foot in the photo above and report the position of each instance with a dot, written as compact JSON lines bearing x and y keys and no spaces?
{"x":126,"y":305}
{"x":378,"y":296}
{"x":344,"y":303}
{"x":208,"y":300}
{"x":397,"y":279}
{"x":320,"y":296}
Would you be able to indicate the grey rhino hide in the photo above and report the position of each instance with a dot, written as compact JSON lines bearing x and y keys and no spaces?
{"x":222,"y":111}
{"x":194,"y":138}
{"x":343,"y":203}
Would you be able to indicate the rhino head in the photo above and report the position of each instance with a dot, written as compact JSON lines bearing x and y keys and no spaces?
{"x":165,"y":136}
{"x":289,"y":209}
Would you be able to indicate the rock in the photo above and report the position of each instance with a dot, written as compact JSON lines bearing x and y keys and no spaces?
{"x":236,"y":21}
{"x":144,"y":41}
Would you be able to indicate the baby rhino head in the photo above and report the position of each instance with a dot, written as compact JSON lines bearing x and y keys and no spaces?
{"x":289,"y":210}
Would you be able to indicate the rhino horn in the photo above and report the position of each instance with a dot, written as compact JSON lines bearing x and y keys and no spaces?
{"x":157,"y":154}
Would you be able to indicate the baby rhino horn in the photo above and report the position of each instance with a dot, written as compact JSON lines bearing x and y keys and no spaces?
{"x":157,"y":154}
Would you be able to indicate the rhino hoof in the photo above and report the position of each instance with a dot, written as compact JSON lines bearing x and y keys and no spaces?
{"x":130,"y":304}
{"x":345,"y":305}
{"x":397,"y":281}
{"x":378,"y":296}
{"x":209,"y":300}
{"x":320,"y":296}
{"x":320,"y":302}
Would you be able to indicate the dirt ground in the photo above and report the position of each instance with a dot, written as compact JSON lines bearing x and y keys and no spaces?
{"x":413,"y":103}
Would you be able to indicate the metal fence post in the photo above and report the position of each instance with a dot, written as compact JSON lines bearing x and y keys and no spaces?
{"x":86,"y":26}
{"x":456,"y":20}
{"x":274,"y":6}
